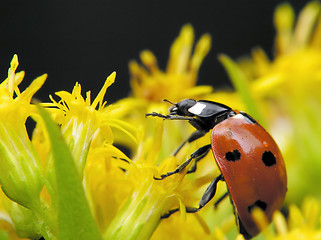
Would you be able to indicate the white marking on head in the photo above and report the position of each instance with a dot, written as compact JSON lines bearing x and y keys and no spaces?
{"x":197,"y":108}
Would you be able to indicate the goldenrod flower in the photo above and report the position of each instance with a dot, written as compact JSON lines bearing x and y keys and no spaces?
{"x":301,"y":223}
{"x":85,"y":124}
{"x":33,"y":178}
{"x":150,"y":85}
{"x":14,"y":112}
{"x":178,"y":81}
{"x":128,"y":201}
{"x":21,"y":174}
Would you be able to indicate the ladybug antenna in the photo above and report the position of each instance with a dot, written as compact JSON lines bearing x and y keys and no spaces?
{"x":166,"y":100}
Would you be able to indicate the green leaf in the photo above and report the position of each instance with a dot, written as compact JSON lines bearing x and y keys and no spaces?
{"x":75,"y":220}
{"x":241,"y":85}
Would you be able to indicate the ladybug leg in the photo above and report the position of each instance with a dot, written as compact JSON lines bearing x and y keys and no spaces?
{"x":170,"y":117}
{"x":207,"y":196}
{"x":197,"y":159}
{"x":220,"y":199}
{"x":170,"y":212}
{"x":197,"y":155}
{"x":200,"y":132}
{"x":194,"y":136}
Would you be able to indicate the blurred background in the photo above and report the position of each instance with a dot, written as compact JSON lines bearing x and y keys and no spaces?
{"x":85,"y":41}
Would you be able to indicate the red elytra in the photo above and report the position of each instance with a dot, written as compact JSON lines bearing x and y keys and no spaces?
{"x":252,"y":166}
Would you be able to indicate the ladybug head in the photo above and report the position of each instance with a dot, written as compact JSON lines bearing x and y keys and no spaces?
{"x":181,"y":108}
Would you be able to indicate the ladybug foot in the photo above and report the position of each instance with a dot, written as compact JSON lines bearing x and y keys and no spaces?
{"x":167,"y":174}
{"x":188,"y":210}
{"x":155,"y":114}
{"x":169,"y":213}
{"x":192,"y":209}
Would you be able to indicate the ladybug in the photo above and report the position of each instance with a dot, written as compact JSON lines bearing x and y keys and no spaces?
{"x":249,"y":159}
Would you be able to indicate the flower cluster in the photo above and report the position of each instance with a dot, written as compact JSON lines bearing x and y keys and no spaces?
{"x":69,"y":180}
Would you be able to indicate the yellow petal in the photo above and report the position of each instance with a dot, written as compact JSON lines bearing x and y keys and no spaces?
{"x":284,"y":21}
{"x":181,"y":50}
{"x":306,"y":23}
{"x":100,"y":97}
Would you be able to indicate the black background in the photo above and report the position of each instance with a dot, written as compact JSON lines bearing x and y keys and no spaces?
{"x":85,"y":41}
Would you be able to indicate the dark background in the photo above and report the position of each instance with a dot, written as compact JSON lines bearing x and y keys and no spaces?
{"x":85,"y":41}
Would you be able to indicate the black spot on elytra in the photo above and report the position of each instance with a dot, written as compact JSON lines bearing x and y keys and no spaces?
{"x":233,"y":156}
{"x":268,"y":158}
{"x":259,"y":204}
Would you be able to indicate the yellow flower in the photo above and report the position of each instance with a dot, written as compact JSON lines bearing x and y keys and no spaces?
{"x":197,"y":229}
{"x":85,"y":124}
{"x":21,"y":175}
{"x":128,"y":202}
{"x":178,"y":81}
{"x":301,"y":224}
{"x":20,"y":183}
{"x":150,"y":85}
{"x":29,"y":173}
